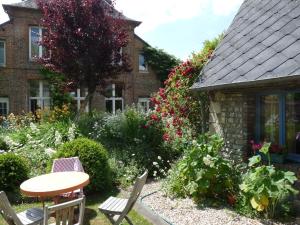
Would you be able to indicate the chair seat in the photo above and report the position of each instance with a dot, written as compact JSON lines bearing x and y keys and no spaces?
{"x":113,"y":205}
{"x":31,"y":216}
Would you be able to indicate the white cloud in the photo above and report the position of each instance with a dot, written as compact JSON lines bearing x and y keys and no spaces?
{"x":224,"y":8}
{"x":154,"y":13}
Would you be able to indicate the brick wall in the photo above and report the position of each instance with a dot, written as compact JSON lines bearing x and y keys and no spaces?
{"x":19,"y":69}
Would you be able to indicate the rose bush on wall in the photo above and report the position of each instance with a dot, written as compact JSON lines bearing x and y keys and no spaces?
{"x":182,"y":112}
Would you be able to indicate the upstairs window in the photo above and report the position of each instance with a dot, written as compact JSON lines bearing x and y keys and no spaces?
{"x":2,"y":53}
{"x":142,"y":64}
{"x":114,"y":98}
{"x":39,"y":95}
{"x":35,"y":49}
{"x":4,"y":106}
{"x":79,"y":96}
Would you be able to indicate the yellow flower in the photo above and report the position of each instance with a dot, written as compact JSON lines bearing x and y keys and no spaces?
{"x":260,"y":204}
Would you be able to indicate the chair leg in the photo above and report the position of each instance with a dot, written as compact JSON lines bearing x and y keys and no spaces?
{"x":128,"y":220}
{"x":110,"y":218}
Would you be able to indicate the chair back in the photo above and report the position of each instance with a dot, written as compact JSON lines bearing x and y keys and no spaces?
{"x":7,"y":211}
{"x":64,"y":212}
{"x":137,"y":189}
{"x":67,"y":164}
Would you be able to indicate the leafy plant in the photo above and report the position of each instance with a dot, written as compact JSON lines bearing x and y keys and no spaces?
{"x":94,"y":159}
{"x":266,"y":188}
{"x":202,"y":172}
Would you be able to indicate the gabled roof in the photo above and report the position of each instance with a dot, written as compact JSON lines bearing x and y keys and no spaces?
{"x":261,"y":44}
{"x":32,"y":4}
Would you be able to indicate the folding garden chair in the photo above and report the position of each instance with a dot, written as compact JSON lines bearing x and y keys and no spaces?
{"x":116,"y":209}
{"x":68,"y":164}
{"x":64,"y":212}
{"x":31,"y":216}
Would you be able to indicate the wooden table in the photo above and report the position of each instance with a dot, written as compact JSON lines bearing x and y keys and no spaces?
{"x":53,"y":184}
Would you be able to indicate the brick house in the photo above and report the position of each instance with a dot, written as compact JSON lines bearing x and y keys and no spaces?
{"x":21,"y":86}
{"x":253,"y":79}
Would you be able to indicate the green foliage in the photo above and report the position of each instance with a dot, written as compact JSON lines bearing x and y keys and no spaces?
{"x":203,"y":172}
{"x":13,"y":171}
{"x":94,"y":159}
{"x":87,"y":121}
{"x":266,"y":188}
{"x":160,"y":61}
{"x":3,"y":145}
{"x":58,"y":87}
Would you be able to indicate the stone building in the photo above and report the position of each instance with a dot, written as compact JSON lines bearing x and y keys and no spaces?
{"x":253,"y":79}
{"x":21,"y":85}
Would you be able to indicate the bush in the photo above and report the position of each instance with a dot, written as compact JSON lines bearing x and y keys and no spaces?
{"x":13,"y":171}
{"x":3,"y":145}
{"x":94,"y":159}
{"x":203,"y":173}
{"x":87,"y":121}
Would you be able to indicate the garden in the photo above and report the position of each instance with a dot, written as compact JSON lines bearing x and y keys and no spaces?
{"x":190,"y":170}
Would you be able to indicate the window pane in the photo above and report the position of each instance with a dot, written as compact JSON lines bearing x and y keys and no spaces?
{"x":46,"y":104}
{"x":293,"y":122}
{"x":108,"y":105}
{"x":34,"y":105}
{"x":119,"y":105}
{"x":34,"y":88}
{"x":35,"y":36}
{"x":142,"y":63}
{"x":108,"y":91}
{"x":118,"y":91}
{"x":3,"y":109}
{"x":2,"y":53}
{"x":46,"y":91}
{"x":270,"y":119}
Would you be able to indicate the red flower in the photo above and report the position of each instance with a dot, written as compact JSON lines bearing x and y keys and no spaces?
{"x":154,"y":117}
{"x":166,"y":137}
{"x":179,"y":133}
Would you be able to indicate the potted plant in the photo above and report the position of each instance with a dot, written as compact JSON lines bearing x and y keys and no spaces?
{"x":277,"y":153}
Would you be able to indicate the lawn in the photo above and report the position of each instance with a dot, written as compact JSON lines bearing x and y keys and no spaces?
{"x":92,"y":215}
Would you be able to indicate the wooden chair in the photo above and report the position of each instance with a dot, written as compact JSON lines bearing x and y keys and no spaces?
{"x":64,"y":212}
{"x":31,"y":216}
{"x":116,"y":209}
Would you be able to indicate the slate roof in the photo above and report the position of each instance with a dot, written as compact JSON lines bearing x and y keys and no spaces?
{"x":32,"y":4}
{"x":261,"y":44}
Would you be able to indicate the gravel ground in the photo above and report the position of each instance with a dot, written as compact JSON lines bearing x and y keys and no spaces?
{"x":185,"y":212}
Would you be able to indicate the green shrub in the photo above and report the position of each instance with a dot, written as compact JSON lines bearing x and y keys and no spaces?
{"x":203,"y":172}
{"x":94,"y":159}
{"x":87,"y":121}
{"x":3,"y":145}
{"x":13,"y":171}
{"x":265,"y":188}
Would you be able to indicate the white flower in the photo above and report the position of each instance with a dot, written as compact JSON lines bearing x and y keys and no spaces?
{"x":159,"y":158}
{"x":194,"y":142}
{"x":50,"y":151}
{"x":72,"y":132}
{"x":207,"y":160}
{"x":155,"y":163}
{"x":58,"y":138}
{"x":33,"y":127}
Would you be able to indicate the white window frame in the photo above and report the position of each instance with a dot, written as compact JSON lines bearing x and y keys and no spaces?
{"x":144,"y":100}
{"x":78,"y":98}
{"x":142,"y":70}
{"x":4,"y":57}
{"x":113,"y":98}
{"x":40,"y":46}
{"x":40,"y":99}
{"x":5,"y":100}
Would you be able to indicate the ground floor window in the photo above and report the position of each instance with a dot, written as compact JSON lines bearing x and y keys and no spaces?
{"x":4,"y":106}
{"x":144,"y":103}
{"x":39,"y":97}
{"x":114,"y":98}
{"x":278,"y":120}
{"x":79,"y":96}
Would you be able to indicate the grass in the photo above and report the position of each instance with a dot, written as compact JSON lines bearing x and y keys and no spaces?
{"x":92,"y":215}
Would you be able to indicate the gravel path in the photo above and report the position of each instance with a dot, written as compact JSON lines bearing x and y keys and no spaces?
{"x":185,"y":211}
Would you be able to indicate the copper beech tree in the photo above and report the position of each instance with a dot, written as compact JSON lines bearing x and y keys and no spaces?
{"x":84,"y":41}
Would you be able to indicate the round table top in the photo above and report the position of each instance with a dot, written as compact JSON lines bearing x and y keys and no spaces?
{"x":53,"y":184}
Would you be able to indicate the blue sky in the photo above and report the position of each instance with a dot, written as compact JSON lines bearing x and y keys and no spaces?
{"x":179,"y":27}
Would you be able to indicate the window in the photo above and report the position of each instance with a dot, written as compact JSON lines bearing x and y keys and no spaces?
{"x":4,"y":106}
{"x":2,"y":53}
{"x":35,"y":49}
{"x":278,"y":120}
{"x":144,"y":103}
{"x":113,"y":98}
{"x":142,"y":63}
{"x":79,"y":96}
{"x":39,"y":95}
